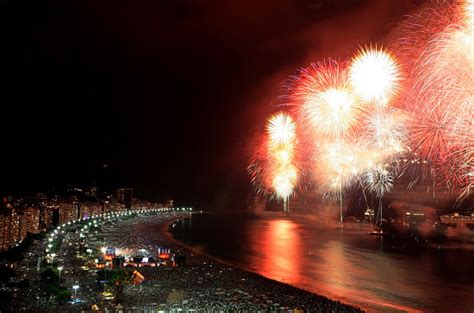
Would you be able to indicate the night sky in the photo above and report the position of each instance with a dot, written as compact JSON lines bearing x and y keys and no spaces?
{"x":169,"y":95}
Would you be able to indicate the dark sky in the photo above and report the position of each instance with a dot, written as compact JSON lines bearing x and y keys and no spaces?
{"x":169,"y":94}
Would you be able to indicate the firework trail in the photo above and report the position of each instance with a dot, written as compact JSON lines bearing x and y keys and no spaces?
{"x":409,"y":38}
{"x":281,"y":132}
{"x":350,"y":123}
{"x":379,"y":180}
{"x":273,"y":168}
{"x":362,"y":121}
{"x":441,"y":99}
{"x":258,"y":167}
{"x":386,"y":131}
{"x":328,"y":114}
{"x":375,"y":77}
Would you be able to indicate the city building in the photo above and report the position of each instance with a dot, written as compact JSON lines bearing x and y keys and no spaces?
{"x":124,"y":196}
{"x":90,"y":209}
{"x":11,"y":231}
{"x":39,"y":201}
{"x":18,"y":219}
{"x":15,"y":229}
{"x":67,"y":212}
{"x":24,"y":216}
{"x":5,"y":221}
{"x":32,"y":215}
{"x":47,"y":217}
{"x":22,"y":226}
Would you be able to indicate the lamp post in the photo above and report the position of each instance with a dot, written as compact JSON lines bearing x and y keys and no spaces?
{"x":75,"y":287}
{"x":60,"y":268}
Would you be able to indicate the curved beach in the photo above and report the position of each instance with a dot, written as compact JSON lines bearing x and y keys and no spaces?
{"x":201,"y":284}
{"x":206,"y":283}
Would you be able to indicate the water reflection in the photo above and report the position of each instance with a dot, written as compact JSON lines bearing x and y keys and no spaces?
{"x":279,"y":250}
{"x":346,"y":265}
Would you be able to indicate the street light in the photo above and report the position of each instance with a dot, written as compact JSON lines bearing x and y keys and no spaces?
{"x":75,"y":287}
{"x":60,"y":268}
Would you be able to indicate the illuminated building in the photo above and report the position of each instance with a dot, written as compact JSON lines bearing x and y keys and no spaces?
{"x":33,"y":216}
{"x":457,"y":219}
{"x":22,"y":227}
{"x":66,"y":212}
{"x":55,"y":215}
{"x":47,"y":216}
{"x":51,"y":215}
{"x":16,"y":223}
{"x":10,"y":232}
{"x":40,"y":201}
{"x":414,"y":217}
{"x":5,"y":221}
{"x":90,"y":209}
{"x":14,"y":227}
{"x":124,"y":196}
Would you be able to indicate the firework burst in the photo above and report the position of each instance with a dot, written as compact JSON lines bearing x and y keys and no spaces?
{"x":442,"y":102}
{"x":379,"y":180}
{"x":375,"y":75}
{"x":386,"y":131}
{"x":357,"y":124}
{"x":336,"y":166}
{"x":281,"y":132}
{"x":324,"y":101}
{"x":273,"y":167}
{"x":469,"y":15}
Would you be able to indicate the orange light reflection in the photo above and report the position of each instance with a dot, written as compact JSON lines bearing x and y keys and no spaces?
{"x":280,"y":249}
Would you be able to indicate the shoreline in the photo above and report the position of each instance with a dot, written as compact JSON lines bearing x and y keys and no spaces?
{"x":201,"y":283}
{"x":165,"y":230}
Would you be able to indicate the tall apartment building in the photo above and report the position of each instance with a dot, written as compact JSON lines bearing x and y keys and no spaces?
{"x":33,"y":217}
{"x":5,"y":221}
{"x":124,"y":196}
{"x":67,"y":212}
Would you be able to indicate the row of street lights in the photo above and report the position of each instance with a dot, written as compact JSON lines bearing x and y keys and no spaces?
{"x":75,"y":287}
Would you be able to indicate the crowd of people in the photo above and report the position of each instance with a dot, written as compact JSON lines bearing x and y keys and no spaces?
{"x":204,"y":284}
{"x":200,"y":283}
